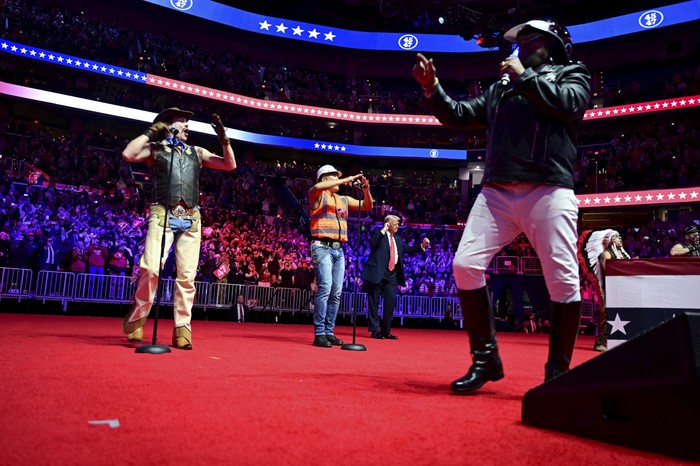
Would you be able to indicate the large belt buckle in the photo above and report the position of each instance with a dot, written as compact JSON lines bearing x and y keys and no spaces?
{"x":178,"y":210}
{"x":336,"y":245}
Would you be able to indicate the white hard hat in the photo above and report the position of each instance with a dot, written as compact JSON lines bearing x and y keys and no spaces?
{"x":326,"y":169}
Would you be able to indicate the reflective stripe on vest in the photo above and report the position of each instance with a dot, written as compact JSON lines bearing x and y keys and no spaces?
{"x":330,"y":219}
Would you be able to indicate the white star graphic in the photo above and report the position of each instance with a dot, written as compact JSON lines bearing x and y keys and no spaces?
{"x":628,"y":198}
{"x":297,"y":31}
{"x":637,"y":198}
{"x":282,"y":28}
{"x":693,"y":195}
{"x":329,"y":36}
{"x":618,"y":324}
{"x":682,"y":195}
{"x":314,"y":33}
{"x":265,"y":25}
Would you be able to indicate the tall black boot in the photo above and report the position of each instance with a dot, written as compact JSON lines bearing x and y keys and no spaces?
{"x":478,"y":320}
{"x":566,"y":323}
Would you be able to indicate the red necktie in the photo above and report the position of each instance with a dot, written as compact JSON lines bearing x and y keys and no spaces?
{"x":392,"y":253}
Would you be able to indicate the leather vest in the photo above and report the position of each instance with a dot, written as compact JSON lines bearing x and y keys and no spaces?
{"x":184,"y":179}
{"x":330,"y":220}
{"x":686,"y":245}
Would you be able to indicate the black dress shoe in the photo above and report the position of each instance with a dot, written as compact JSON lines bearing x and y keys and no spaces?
{"x":377,"y":335}
{"x":389,"y":336}
{"x":322,"y":341}
{"x":334,"y":341}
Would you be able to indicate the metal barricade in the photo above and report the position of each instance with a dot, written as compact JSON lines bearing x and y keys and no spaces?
{"x":587,"y":308}
{"x":224,"y":294}
{"x":351,"y":301}
{"x":507,"y":264}
{"x":260,"y":298}
{"x":290,"y":300}
{"x":530,"y":265}
{"x":15,"y":283}
{"x":55,"y":286}
{"x":416,"y":306}
{"x":90,"y":287}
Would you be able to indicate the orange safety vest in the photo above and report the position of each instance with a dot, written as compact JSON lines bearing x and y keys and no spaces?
{"x":330,"y":219}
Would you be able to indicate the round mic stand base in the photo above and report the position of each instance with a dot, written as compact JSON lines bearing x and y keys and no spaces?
{"x":353,"y":347}
{"x":152,"y":349}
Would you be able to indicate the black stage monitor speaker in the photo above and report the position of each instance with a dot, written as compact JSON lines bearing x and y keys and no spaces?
{"x":643,"y":394}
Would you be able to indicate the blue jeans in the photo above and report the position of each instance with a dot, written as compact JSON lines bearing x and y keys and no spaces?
{"x":329,"y":266}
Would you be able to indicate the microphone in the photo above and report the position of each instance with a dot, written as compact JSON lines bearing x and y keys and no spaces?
{"x":505,"y":79}
{"x":358,"y":184}
{"x":174,"y":130}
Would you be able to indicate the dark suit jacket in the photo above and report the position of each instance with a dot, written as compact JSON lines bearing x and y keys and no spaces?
{"x":378,"y":260}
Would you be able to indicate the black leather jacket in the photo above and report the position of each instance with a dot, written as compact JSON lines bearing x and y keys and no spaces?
{"x":531,"y":124}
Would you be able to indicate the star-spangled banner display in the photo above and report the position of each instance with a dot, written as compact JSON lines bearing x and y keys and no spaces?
{"x":33,"y":53}
{"x":640,"y":21}
{"x":319,"y":112}
{"x":643,"y":293}
{"x":237,"y":135}
{"x":678,"y":103}
{"x":638,"y":198}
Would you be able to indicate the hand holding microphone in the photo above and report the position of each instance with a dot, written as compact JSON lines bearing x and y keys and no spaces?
{"x":359,"y":182}
{"x":157,"y":132}
{"x":509,"y":65}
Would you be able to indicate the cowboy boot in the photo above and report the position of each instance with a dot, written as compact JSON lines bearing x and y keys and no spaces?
{"x":478,"y":320}
{"x":134,"y":330}
{"x":566,"y":323}
{"x":182,"y":338}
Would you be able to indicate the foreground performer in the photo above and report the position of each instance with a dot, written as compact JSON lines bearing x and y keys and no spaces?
{"x":532,"y":115}
{"x":179,"y":214}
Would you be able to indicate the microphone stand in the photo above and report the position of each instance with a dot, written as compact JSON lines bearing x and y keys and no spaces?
{"x":154,"y":348}
{"x":355,"y":346}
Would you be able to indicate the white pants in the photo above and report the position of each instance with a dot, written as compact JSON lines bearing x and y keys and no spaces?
{"x":546,"y":214}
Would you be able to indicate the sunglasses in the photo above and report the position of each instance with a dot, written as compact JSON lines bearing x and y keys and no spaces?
{"x":529,"y":38}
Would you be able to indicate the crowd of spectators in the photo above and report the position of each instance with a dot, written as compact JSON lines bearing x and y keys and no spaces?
{"x":98,"y":228}
{"x":46,"y":25}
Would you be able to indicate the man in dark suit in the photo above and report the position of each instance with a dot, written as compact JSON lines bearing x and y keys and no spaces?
{"x":238,"y":312}
{"x":383,"y":272}
{"x":46,"y":257}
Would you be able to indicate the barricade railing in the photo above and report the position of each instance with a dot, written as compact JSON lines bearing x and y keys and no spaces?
{"x":15,"y":283}
{"x":55,"y":286}
{"x":353,"y":301}
{"x":119,"y":289}
{"x":90,"y":287}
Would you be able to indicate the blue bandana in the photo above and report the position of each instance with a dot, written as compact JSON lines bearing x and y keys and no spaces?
{"x":176,"y":142}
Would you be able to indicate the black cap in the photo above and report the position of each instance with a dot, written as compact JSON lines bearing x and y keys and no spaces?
{"x":690,"y":230}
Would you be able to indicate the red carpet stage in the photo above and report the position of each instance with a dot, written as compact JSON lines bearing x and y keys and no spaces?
{"x":75,"y":392}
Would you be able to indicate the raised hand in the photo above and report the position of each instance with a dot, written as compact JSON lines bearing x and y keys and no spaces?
{"x":219,"y":129}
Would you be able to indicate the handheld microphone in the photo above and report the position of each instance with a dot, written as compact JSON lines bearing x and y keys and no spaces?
{"x":505,"y":79}
{"x":358,"y":184}
{"x":174,"y":130}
